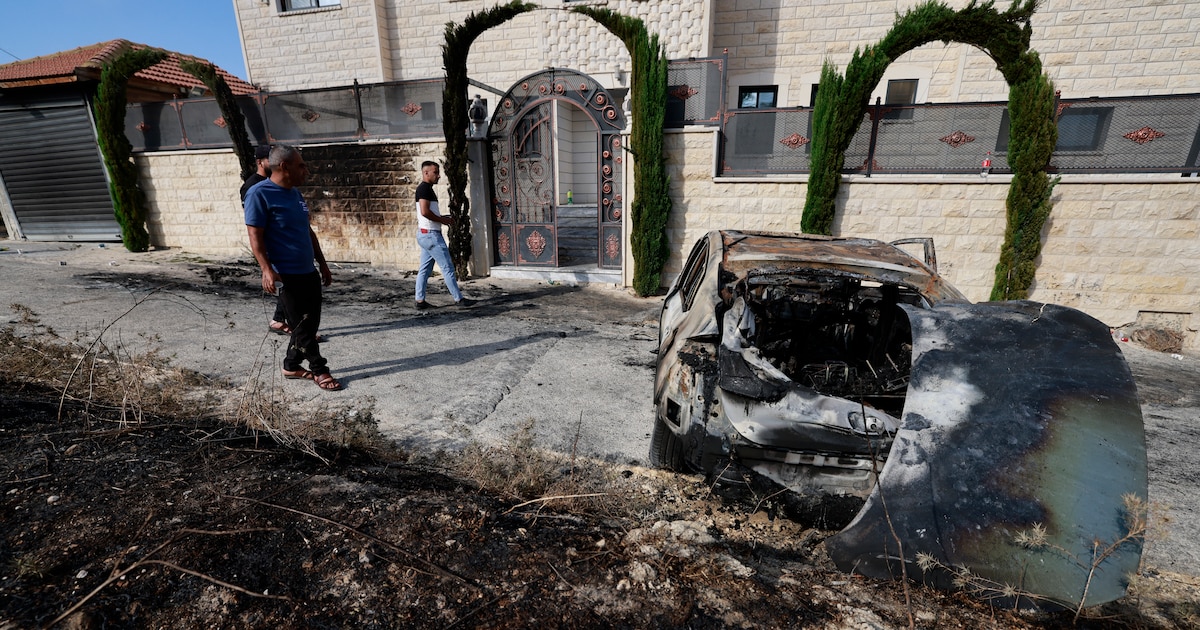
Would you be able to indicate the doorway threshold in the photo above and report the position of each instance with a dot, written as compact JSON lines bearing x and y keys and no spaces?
{"x":574,"y":275}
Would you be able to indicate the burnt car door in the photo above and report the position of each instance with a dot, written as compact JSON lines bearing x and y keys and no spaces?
{"x":1019,"y":464}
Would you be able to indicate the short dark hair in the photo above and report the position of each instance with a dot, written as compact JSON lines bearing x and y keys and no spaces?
{"x":428,"y":163}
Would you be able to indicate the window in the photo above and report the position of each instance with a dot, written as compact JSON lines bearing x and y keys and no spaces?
{"x":1083,"y":128}
{"x":676,"y":108}
{"x":298,"y":5}
{"x":1079,"y":129}
{"x":752,"y":133}
{"x":900,"y":92}
{"x":757,"y":96}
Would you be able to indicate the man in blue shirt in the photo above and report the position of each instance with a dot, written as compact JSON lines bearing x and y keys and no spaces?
{"x":262,"y":157}
{"x":285,"y":246}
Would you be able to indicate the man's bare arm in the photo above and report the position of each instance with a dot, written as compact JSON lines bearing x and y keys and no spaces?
{"x":326,"y":275}
{"x":258,"y":246}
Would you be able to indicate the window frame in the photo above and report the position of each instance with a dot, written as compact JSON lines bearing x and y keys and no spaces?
{"x":895,"y":109}
{"x":285,"y":6}
{"x":1101,"y":120}
{"x":1099,"y":131}
{"x":758,"y":91}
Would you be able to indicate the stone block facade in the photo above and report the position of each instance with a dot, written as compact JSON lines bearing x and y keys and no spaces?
{"x":314,"y":48}
{"x":361,"y":198}
{"x":1087,"y":47}
{"x":360,"y":195}
{"x":392,"y":40}
{"x":193,"y":201}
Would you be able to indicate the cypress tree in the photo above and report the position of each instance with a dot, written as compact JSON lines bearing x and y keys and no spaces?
{"x":129,"y":200}
{"x":235,"y":120}
{"x":459,"y":38}
{"x":651,"y":205}
{"x":842,"y":102}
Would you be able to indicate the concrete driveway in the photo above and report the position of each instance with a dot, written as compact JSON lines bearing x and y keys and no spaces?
{"x":575,"y":362}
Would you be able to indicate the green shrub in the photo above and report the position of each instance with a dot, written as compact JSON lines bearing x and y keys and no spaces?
{"x":651,"y":201}
{"x":129,"y":201}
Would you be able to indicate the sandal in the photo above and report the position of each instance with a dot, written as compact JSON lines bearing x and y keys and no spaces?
{"x":299,"y":375}
{"x":280,"y":328}
{"x":327,"y":382}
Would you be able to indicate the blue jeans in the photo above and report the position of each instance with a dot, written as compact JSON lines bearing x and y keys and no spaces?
{"x":433,"y":248}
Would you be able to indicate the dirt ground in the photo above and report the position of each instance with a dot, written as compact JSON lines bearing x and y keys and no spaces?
{"x":159,"y":506}
{"x":175,"y":523}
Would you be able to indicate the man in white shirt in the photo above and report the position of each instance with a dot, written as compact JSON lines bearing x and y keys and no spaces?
{"x":429,"y":237}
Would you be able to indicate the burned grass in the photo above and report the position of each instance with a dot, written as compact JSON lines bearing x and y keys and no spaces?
{"x":182,"y":515}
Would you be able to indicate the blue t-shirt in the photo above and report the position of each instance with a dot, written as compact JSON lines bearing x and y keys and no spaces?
{"x":284,"y":215}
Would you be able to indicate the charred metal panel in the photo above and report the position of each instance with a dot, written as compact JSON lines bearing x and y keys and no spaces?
{"x":748,"y":253}
{"x":1020,"y":416}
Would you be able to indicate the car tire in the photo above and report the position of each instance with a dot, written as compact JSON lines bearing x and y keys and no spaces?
{"x":666,"y":448}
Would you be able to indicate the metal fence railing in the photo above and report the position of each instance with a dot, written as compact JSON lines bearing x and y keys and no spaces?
{"x":1146,"y":134}
{"x":764,"y":141}
{"x":405,"y":109}
{"x":696,"y":91}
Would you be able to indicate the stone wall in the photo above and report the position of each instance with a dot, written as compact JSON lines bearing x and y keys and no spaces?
{"x":1121,"y":249}
{"x":193,"y":201}
{"x":313,"y":48}
{"x":386,"y":40}
{"x":360,"y":195}
{"x":1087,"y":47}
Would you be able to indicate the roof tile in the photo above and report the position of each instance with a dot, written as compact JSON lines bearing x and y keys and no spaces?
{"x":66,"y":66}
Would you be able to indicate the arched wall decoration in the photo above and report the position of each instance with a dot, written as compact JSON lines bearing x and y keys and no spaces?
{"x":523,"y":198}
{"x":651,"y":205}
{"x":455,"y":49}
{"x":842,"y":102}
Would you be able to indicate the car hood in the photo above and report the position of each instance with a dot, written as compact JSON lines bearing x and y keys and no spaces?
{"x":1019,"y":464}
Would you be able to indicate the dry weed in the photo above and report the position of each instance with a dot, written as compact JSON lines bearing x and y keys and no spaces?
{"x":100,"y":375}
{"x":105,"y":376}
{"x":519,"y":470}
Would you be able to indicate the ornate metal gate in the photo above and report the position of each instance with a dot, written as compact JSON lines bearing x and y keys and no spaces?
{"x":524,"y":199}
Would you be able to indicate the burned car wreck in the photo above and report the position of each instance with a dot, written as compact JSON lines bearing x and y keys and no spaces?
{"x":1000,"y":443}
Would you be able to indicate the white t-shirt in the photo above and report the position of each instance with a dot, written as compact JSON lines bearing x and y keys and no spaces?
{"x":425,"y":191}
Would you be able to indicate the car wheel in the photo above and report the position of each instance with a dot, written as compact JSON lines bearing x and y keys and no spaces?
{"x":666,"y":449}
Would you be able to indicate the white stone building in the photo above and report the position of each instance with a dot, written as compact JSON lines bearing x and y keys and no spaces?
{"x":1123,"y":247}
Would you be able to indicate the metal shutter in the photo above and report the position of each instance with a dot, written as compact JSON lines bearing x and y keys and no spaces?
{"x":51,"y":169}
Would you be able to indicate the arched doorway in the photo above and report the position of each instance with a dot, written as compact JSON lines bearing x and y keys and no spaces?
{"x":557,"y":165}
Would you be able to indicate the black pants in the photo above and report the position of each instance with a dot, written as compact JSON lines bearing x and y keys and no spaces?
{"x":301,"y":297}
{"x":280,"y":312}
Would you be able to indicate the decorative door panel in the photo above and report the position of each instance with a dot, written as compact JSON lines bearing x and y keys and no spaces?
{"x":533,"y":186}
{"x":612,"y":167}
{"x":524,"y":198}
